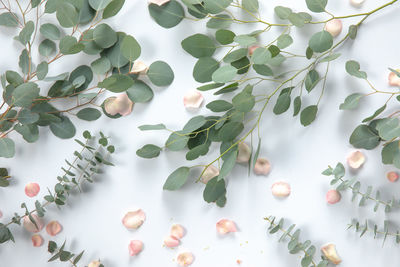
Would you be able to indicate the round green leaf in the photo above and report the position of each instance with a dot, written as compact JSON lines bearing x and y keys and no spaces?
{"x":7,"y":148}
{"x":224,"y":36}
{"x":230,"y":130}
{"x":160,"y":73}
{"x":63,"y":129}
{"x":117,"y":83}
{"x":177,"y":179}
{"x":308,"y":115}
{"x":321,"y":41}
{"x":99,"y":4}
{"x":168,"y":15}
{"x":263,"y":70}
{"x":353,"y":68}
{"x":88,"y":114}
{"x":24,"y":94}
{"x":80,"y":71}
{"x":364,"y":136}
{"x":261,"y":55}
{"x":50,"y":31}
{"x":204,"y":69}
{"x":214,"y":190}
{"x":149,"y":151}
{"x":224,"y":74}
{"x":113,"y":8}
{"x":67,"y":15}
{"x":130,"y":48}
{"x":140,"y":92}
{"x":316,"y":5}
{"x":199,"y":45}
{"x":47,"y":48}
{"x":41,"y":70}
{"x":104,"y":36}
{"x":101,"y":65}
{"x":282,"y":12}
{"x":221,"y":21}
{"x":219,"y":106}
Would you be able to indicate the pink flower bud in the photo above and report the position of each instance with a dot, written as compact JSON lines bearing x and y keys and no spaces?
{"x":394,"y":80}
{"x":37,"y":240}
{"x":134,"y":219}
{"x":32,"y":189}
{"x":158,"y":2}
{"x":252,"y":49}
{"x":185,"y":259}
{"x":392,"y":176}
{"x":139,"y":67}
{"x":333,"y":196}
{"x":209,"y":173}
{"x":53,"y":228}
{"x":225,"y":226}
{"x":193,"y":99}
{"x":262,"y":166}
{"x":118,"y":105}
{"x":356,"y":159}
{"x":330,"y":253}
{"x":135,"y":247}
{"x":244,"y":153}
{"x":356,"y":3}
{"x":171,"y":241}
{"x":334,"y":27}
{"x":30,"y":226}
{"x":280,"y":189}
{"x":94,"y":264}
{"x":177,"y":231}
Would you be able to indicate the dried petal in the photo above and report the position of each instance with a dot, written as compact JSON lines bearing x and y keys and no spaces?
{"x":356,"y":3}
{"x":252,"y":49}
{"x":177,"y":231}
{"x":118,"y":105}
{"x":334,"y":27}
{"x":171,"y":241}
{"x":392,"y":176}
{"x":185,"y":258}
{"x":94,"y":264}
{"x":30,"y":226}
{"x":280,"y":189}
{"x":244,"y":153}
{"x":262,"y":166}
{"x":330,"y":253}
{"x":356,"y":159}
{"x":158,"y":2}
{"x":53,"y":228}
{"x":193,"y":99}
{"x":135,"y":247}
{"x":394,"y":80}
{"x":239,"y":261}
{"x":333,"y":196}
{"x":139,"y":67}
{"x":134,"y":219}
{"x":37,"y":240}
{"x":32,"y":189}
{"x":209,"y":173}
{"x":225,"y":226}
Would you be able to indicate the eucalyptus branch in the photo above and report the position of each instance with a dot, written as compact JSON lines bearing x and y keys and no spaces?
{"x":374,"y":228}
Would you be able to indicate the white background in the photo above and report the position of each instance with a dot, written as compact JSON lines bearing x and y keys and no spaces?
{"x":92,"y":220}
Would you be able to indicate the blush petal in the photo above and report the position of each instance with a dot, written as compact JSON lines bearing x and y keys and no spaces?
{"x":209,"y":173}
{"x":30,"y":226}
{"x":392,"y":176}
{"x":262,"y":166}
{"x":94,"y":264}
{"x":334,"y":27}
{"x":171,"y":241}
{"x":244,"y":153}
{"x":333,"y":196}
{"x":118,"y":105}
{"x":37,"y":240}
{"x":111,"y":106}
{"x":135,"y":247}
{"x":134,"y":219}
{"x":252,"y":49}
{"x":139,"y":67}
{"x":53,"y":228}
{"x":185,"y":259}
{"x":356,"y":159}
{"x":32,"y":189}
{"x":177,"y":231}
{"x":394,"y":80}
{"x":280,"y":189}
{"x":158,"y":2}
{"x":193,"y":99}
{"x":225,"y":226}
{"x":330,"y":253}
{"x":1,"y":214}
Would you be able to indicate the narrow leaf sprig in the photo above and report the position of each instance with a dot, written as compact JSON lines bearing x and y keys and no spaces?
{"x":374,"y":228}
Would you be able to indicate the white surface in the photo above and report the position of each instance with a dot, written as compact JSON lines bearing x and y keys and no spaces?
{"x":92,"y":220}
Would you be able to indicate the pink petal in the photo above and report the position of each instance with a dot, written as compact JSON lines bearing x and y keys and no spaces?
{"x":32,"y":189}
{"x":244,"y":153}
{"x":53,"y":228}
{"x":37,"y":240}
{"x":225,"y":226}
{"x":158,"y":2}
{"x":111,"y":106}
{"x":193,"y":99}
{"x":334,"y":27}
{"x":177,"y":231}
{"x":394,"y":80}
{"x":330,"y":253}
{"x":252,"y":49}
{"x":185,"y":259}
{"x":239,"y":261}
{"x":357,"y":3}
{"x":333,"y":196}
{"x":1,"y":214}
{"x":356,"y":159}
{"x":139,"y":67}
{"x":209,"y":173}
{"x":171,"y":241}
{"x":262,"y":166}
{"x":392,"y":176}
{"x":135,"y":247}
{"x":118,"y":105}
{"x":134,"y":219}
{"x":280,"y":189}
{"x":30,"y":227}
{"x":94,"y":264}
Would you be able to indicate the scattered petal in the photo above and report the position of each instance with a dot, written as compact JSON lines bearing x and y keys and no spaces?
{"x":37,"y":240}
{"x":334,"y":27}
{"x":94,"y":264}
{"x":1,"y":214}
{"x":239,"y":261}
{"x":171,"y":241}
{"x":252,"y":49}
{"x":139,"y":67}
{"x":225,"y":226}
{"x":280,"y":189}
{"x":392,"y":176}
{"x":357,"y":3}
{"x":53,"y":228}
{"x":30,"y":226}
{"x":394,"y":80}
{"x":209,"y":173}
{"x":193,"y":99}
{"x":330,"y":253}
{"x":158,"y":2}
{"x":134,"y":219}
{"x":32,"y":189}
{"x":118,"y":105}
{"x":135,"y":247}
{"x":177,"y":231}
{"x":356,"y":159}
{"x":333,"y":196}
{"x":185,"y":258}
{"x":262,"y":166}
{"x":244,"y":153}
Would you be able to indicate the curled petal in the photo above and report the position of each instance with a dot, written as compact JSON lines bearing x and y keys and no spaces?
{"x":134,"y":219}
{"x":193,"y":99}
{"x":334,"y":27}
{"x":53,"y":228}
{"x":135,"y":247}
{"x":394,"y":80}
{"x":185,"y":258}
{"x":330,"y":253}
{"x":392,"y":176}
{"x":177,"y":231}
{"x":118,"y":105}
{"x":225,"y":226}
{"x":356,"y":3}
{"x":209,"y":173}
{"x":280,"y":189}
{"x":171,"y":241}
{"x":139,"y":67}
{"x":333,"y":196}
{"x":158,"y":2}
{"x":30,"y":226}
{"x":356,"y":159}
{"x":32,"y":189}
{"x":252,"y":49}
{"x":94,"y":264}
{"x":37,"y":240}
{"x":262,"y":166}
{"x":244,"y":153}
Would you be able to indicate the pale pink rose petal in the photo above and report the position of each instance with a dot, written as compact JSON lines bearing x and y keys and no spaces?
{"x":262,"y":166}
{"x":330,"y":253}
{"x":158,"y":2}
{"x":177,"y":231}
{"x":209,"y":173}
{"x":32,"y":189}
{"x":280,"y":189}
{"x":185,"y":259}
{"x":225,"y":226}
{"x":333,"y":196}
{"x":171,"y":241}
{"x":356,"y":3}
{"x":118,"y":105}
{"x":111,"y":106}
{"x":193,"y":99}
{"x":37,"y":240}
{"x":135,"y":247}
{"x":239,"y":261}
{"x":94,"y":264}
{"x":334,"y":27}
{"x":394,"y":80}
{"x":392,"y":176}
{"x":134,"y":219}
{"x":53,"y":228}
{"x":355,"y":159}
{"x":1,"y":214}
{"x":252,"y":49}
{"x":139,"y":67}
{"x":244,"y":153}
{"x":30,"y":226}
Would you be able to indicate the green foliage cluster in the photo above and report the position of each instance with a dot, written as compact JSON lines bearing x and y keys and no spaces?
{"x":4,"y":177}
{"x":375,"y":229}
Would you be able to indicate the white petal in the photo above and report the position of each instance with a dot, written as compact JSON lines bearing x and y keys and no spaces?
{"x":333,"y":196}
{"x":357,"y":3}
{"x":171,"y":241}
{"x":280,"y":189}
{"x":185,"y":259}
{"x":356,"y":159}
{"x":193,"y":99}
{"x":330,"y":252}
{"x":262,"y":166}
{"x":134,"y":219}
{"x":334,"y":27}
{"x":394,"y":80}
{"x":37,"y":240}
{"x":158,"y":2}
{"x":177,"y":231}
{"x":225,"y":226}
{"x":209,"y":173}
{"x":53,"y":228}
{"x":32,"y":189}
{"x":139,"y":67}
{"x":30,"y":226}
{"x":244,"y":153}
{"x":135,"y":247}
{"x":94,"y":264}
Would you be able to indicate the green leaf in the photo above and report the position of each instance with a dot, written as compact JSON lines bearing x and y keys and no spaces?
{"x":14,"y":78}
{"x":284,"y":41}
{"x":214,"y":190}
{"x":221,"y":21}
{"x":388,"y":128}
{"x":316,"y":5}
{"x":25,"y":116}
{"x":101,"y":65}
{"x":140,"y":92}
{"x":245,"y":40}
{"x":308,"y":115}
{"x":99,"y":4}
{"x":296,"y":105}
{"x":351,"y":102}
{"x":194,"y":124}
{"x":235,"y":55}
{"x":177,"y":141}
{"x":389,"y":151}
{"x":250,"y":5}
{"x":365,"y":137}
{"x":29,"y":132}
{"x":50,"y":31}
{"x":312,"y":79}
{"x":116,"y":83}
{"x":7,"y":148}
{"x":152,"y":127}
{"x":244,"y":101}
{"x":78,"y":258}
{"x":321,"y":41}
{"x":297,"y":19}
{"x":353,"y":68}
{"x":8,"y":19}
{"x":67,"y":15}
{"x":89,"y":114}
{"x":41,"y":70}
{"x":160,"y":73}
{"x":216,"y":6}
{"x":282,"y":103}
{"x":177,"y":179}
{"x":282,"y":12}
{"x":230,"y":130}
{"x":26,"y":33}
{"x":113,"y":8}
{"x":47,"y":48}
{"x":63,"y":129}
{"x":261,"y":55}
{"x":224,"y":36}
{"x":105,"y":37}
{"x":24,"y":61}
{"x":204,"y":69}
{"x":199,"y":45}
{"x":219,"y":106}
{"x":149,"y":151}
{"x":130,"y":48}
{"x":330,"y":58}
{"x":263,"y":70}
{"x":224,"y":74}
{"x":353,"y":31}
{"x":168,"y":15}
{"x":24,"y":94}
{"x":229,"y":163}
{"x":377,"y":112}
{"x":69,"y":45}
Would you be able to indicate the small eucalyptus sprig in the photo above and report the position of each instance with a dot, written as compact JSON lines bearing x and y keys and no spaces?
{"x":85,"y":166}
{"x":374,"y":228}
{"x":294,"y":245}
